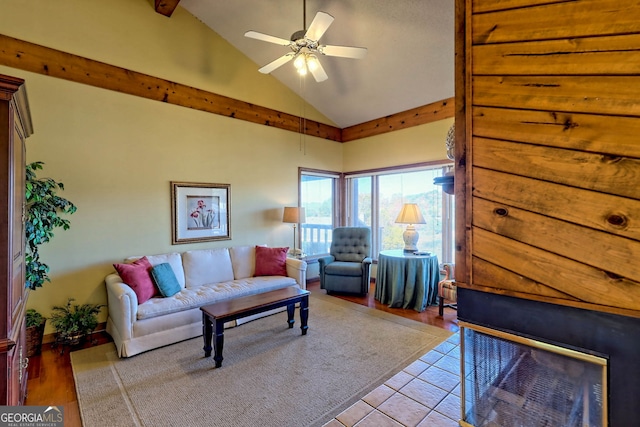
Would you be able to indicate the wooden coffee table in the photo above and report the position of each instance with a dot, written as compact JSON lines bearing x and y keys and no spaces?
{"x":225,"y":311}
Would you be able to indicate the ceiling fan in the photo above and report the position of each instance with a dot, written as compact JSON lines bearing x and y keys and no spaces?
{"x":305,"y":47}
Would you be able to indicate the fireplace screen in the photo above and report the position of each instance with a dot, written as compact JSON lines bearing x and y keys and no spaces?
{"x":511,"y":380}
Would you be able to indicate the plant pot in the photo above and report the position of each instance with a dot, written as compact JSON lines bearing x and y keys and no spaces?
{"x":72,"y":340}
{"x":34,"y":339}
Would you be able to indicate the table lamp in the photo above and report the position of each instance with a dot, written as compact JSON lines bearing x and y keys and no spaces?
{"x":410,"y":214}
{"x":295,"y":216}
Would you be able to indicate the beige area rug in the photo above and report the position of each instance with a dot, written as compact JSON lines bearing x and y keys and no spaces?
{"x":270,"y":376}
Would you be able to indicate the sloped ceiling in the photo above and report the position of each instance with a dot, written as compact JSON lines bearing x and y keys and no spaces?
{"x":410,"y":59}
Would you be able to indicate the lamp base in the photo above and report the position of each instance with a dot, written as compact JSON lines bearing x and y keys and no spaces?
{"x":296,"y":253}
{"x":410,"y":237}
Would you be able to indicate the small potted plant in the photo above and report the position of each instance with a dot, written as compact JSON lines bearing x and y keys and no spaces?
{"x":73,"y":322}
{"x":35,"y":331}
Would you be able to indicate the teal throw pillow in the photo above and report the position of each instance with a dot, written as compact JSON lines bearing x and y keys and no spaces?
{"x":165,"y":279}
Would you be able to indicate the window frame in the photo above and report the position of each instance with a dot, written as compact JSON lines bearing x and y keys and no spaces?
{"x":337,"y":215}
{"x":343,"y":198}
{"x":448,"y":203}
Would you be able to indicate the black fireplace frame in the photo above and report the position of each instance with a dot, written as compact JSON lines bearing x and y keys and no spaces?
{"x":613,"y":336}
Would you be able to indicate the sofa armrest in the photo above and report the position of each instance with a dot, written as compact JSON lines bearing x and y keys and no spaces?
{"x":297,"y":269}
{"x":123,"y":305}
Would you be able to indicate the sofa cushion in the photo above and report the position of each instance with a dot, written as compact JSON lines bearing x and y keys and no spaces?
{"x":174,"y":259}
{"x":243,"y":260}
{"x":271,"y":261}
{"x":137,"y":275}
{"x":340,"y":268}
{"x":212,"y":292}
{"x":165,"y":279}
{"x":207,"y":266}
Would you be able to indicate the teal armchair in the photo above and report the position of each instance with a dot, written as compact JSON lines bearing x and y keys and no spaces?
{"x":348,"y":266}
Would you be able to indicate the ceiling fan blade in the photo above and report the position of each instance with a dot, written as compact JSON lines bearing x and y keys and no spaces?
{"x":318,"y":72}
{"x":267,"y":38}
{"x":277,"y":63}
{"x":343,"y":51}
{"x":318,"y":26}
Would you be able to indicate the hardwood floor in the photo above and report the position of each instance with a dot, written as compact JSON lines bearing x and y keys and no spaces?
{"x":50,"y":381}
{"x":449,"y":319}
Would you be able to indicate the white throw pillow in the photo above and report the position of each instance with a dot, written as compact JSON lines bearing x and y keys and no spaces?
{"x":206,"y":266}
{"x":243,"y":259}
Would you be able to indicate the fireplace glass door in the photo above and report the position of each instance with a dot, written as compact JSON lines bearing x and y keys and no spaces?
{"x":510,"y":380}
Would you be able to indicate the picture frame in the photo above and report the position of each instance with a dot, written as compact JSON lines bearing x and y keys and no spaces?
{"x":200,"y":212}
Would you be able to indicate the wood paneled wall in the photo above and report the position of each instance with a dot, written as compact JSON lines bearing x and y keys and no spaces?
{"x":548,"y":150}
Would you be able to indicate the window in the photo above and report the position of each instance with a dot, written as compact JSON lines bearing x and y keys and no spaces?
{"x":375,"y":198}
{"x":319,"y":195}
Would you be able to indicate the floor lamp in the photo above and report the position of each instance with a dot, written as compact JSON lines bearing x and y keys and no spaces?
{"x":295,"y":216}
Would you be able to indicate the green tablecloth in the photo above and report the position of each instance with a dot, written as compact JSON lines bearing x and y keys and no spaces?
{"x":406,"y":280}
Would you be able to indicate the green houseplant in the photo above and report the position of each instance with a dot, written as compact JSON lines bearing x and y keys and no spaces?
{"x":73,"y":322}
{"x":44,"y":208}
{"x":35,"y":331}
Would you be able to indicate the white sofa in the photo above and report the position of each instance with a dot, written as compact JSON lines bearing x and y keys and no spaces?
{"x":205,"y":276}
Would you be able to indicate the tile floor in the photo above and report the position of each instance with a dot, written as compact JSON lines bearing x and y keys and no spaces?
{"x":425,"y":393}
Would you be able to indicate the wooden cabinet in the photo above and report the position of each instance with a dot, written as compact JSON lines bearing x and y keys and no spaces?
{"x":15,"y":127}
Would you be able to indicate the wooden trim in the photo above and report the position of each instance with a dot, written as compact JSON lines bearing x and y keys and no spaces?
{"x":39,"y":59}
{"x":532,"y":21}
{"x":445,"y":162}
{"x":416,"y":116}
{"x":166,"y":7}
{"x":462,"y":177}
{"x":43,"y":60}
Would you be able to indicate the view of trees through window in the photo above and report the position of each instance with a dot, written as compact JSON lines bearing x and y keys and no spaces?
{"x":386,"y":193}
{"x":374,"y":200}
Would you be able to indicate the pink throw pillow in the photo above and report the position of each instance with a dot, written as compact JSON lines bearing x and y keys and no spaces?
{"x":138,"y":276}
{"x":271,"y":261}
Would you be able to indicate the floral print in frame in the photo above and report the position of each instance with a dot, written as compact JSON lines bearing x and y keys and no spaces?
{"x":200,"y":212}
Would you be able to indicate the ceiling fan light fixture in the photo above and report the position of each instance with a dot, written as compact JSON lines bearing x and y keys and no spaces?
{"x":312,"y":62}
{"x":299,"y":62}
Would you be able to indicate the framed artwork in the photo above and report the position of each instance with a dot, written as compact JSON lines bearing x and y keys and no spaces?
{"x":200,"y":212}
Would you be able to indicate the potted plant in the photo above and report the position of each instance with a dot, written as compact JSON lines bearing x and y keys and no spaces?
{"x":35,"y":331}
{"x":43,"y":208}
{"x":73,"y":322}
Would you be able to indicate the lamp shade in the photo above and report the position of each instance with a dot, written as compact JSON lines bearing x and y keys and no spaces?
{"x":410,"y":214}
{"x":294,"y":215}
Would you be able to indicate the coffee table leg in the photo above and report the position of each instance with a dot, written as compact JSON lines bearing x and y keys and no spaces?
{"x":291,"y":308}
{"x":219,"y":343}
{"x":304,"y":314}
{"x":207,"y":331}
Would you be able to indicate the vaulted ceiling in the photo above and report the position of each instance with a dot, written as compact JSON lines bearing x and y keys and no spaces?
{"x":409,"y":63}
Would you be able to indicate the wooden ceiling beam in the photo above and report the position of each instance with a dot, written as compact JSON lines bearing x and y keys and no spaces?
{"x":39,"y":59}
{"x":43,"y":60}
{"x":166,"y":7}
{"x":417,"y":116}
